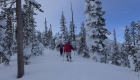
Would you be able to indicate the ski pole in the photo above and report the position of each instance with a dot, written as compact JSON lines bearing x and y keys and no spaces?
{"x":63,"y":56}
{"x":74,"y":55}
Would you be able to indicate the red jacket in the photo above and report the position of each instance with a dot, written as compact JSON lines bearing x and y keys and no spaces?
{"x":68,"y":47}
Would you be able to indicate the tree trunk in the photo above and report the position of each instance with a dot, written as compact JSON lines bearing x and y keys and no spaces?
{"x":20,"y":61}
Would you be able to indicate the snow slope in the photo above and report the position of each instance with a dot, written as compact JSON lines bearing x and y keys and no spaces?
{"x":51,"y":66}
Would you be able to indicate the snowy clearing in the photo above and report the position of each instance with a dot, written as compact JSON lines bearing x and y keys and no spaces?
{"x":51,"y":66}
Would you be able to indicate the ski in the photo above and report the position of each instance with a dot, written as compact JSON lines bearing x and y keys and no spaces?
{"x":70,"y":61}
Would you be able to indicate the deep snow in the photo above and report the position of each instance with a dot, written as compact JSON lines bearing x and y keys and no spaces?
{"x":51,"y":66}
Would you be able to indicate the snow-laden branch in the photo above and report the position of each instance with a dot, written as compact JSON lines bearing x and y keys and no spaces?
{"x":35,"y":4}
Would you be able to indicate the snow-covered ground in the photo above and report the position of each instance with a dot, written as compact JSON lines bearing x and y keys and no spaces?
{"x":51,"y":66}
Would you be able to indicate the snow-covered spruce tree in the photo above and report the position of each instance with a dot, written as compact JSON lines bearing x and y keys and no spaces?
{"x":82,"y":39}
{"x":27,"y":33}
{"x":35,"y":43}
{"x":2,"y":37}
{"x":7,"y":8}
{"x":50,"y":38}
{"x":108,"y":50}
{"x":53,"y":43}
{"x":133,"y":32}
{"x":39,"y":37}
{"x":134,"y":49}
{"x":96,"y":33}
{"x":63,"y":28}
{"x":2,"y":55}
{"x":35,"y":46}
{"x":46,"y":40}
{"x":71,"y":31}
{"x":86,"y":52}
{"x":136,"y":56}
{"x":9,"y":35}
{"x":57,"y":39}
{"x":127,"y":35}
{"x":138,"y":36}
{"x":116,"y":57}
{"x":29,"y":29}
{"x":82,"y":46}
{"x":125,"y":51}
{"x":11,"y":22}
{"x":19,"y":25}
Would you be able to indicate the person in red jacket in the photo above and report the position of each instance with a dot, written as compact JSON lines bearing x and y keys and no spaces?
{"x":67,"y":49}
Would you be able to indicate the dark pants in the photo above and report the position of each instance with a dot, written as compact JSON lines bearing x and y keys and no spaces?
{"x":61,"y":52}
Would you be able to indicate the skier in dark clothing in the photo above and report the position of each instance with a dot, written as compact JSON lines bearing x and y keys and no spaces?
{"x":67,"y":49}
{"x":60,"y":46}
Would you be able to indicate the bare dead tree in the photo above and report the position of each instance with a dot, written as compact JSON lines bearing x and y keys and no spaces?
{"x":73,"y":35}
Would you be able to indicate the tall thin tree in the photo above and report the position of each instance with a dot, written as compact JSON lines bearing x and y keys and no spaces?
{"x":73,"y":26}
{"x":20,"y":61}
{"x":72,"y":29}
{"x":63,"y":28}
{"x":133,"y":32}
{"x":116,"y":54}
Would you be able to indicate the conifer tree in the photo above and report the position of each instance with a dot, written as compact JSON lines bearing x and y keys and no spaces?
{"x":19,"y":30}
{"x":39,"y":36}
{"x":46,"y":40}
{"x":29,"y":29}
{"x":96,"y":33}
{"x":57,"y":39}
{"x":138,"y":34}
{"x":133,"y":32}
{"x":35,"y":42}
{"x":7,"y":14}
{"x":35,"y":46}
{"x":9,"y":35}
{"x":72,"y":31}
{"x":50,"y":38}
{"x":83,"y":49}
{"x":136,"y":55}
{"x":127,"y":35}
{"x":116,"y":55}
{"x":2,"y":37}
{"x":133,"y":47}
{"x":126,"y":43}
{"x":82,"y":41}
{"x":72,"y":26}
{"x":109,"y":48}
{"x":63,"y":28}
{"x":53,"y":43}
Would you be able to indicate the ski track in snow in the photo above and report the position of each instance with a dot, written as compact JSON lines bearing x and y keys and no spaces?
{"x":51,"y":66}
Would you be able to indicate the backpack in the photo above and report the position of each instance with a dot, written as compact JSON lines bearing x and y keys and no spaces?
{"x":61,"y":45}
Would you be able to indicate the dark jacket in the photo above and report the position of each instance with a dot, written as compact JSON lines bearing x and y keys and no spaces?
{"x":60,"y":46}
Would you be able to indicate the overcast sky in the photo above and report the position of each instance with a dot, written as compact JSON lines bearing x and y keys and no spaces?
{"x":119,"y":13}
